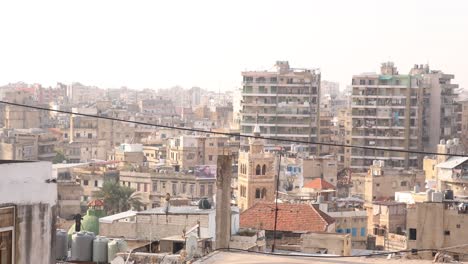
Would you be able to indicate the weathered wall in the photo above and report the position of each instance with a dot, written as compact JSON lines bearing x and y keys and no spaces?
{"x":334,"y":243}
{"x":23,"y":185}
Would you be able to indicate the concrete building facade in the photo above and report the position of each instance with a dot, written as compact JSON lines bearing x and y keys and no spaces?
{"x":395,"y":111}
{"x":285,"y":103}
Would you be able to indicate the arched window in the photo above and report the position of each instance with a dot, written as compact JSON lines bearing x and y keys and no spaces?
{"x":264,"y":169}
{"x":264,"y":193}
{"x":257,"y":194}
{"x":257,"y":170}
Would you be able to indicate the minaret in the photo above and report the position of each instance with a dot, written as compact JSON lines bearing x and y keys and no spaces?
{"x":256,"y":144}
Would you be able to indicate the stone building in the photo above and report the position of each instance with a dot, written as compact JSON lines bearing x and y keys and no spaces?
{"x":153,"y":185}
{"x":384,"y":219}
{"x":27,"y":144}
{"x":187,"y":151}
{"x":256,"y":174}
{"x":381,"y":182}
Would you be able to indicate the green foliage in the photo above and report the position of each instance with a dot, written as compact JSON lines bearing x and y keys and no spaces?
{"x":59,"y":158}
{"x":119,"y":198}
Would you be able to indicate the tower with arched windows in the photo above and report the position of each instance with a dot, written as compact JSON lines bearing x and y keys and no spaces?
{"x":256,"y":174}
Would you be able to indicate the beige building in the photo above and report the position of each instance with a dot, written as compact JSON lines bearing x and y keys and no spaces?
{"x":384,"y":219}
{"x":336,"y":244}
{"x":438,"y":225}
{"x":27,"y":144}
{"x":20,"y":117}
{"x":186,"y":152}
{"x":256,"y":174}
{"x":155,"y":184}
{"x":155,"y":154}
{"x":92,"y":177}
{"x":381,"y":182}
{"x":284,"y":102}
{"x":69,"y":191}
{"x":396,"y":111}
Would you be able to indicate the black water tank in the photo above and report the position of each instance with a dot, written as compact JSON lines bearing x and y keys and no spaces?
{"x":204,"y":204}
{"x":448,"y":195}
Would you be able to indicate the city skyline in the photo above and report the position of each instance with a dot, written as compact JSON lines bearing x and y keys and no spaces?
{"x":160,"y":45}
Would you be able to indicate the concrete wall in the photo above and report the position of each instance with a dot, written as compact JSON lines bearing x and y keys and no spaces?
{"x":24,"y":186}
{"x":334,"y":243}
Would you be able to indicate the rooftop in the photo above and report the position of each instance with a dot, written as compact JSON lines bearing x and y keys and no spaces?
{"x":452,"y":162}
{"x":291,"y":217}
{"x":319,"y":184}
{"x":238,"y":257}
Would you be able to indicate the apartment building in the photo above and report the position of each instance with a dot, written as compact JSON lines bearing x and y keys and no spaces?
{"x":153,"y":185}
{"x":27,"y":144}
{"x":381,"y":182}
{"x":187,"y":151}
{"x":20,"y":117}
{"x":399,"y":111}
{"x":285,"y":103}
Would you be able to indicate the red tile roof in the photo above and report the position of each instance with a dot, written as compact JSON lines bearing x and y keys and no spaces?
{"x":319,"y":184}
{"x":291,"y":217}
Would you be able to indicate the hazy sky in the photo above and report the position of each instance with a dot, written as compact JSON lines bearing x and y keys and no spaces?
{"x":158,"y":44}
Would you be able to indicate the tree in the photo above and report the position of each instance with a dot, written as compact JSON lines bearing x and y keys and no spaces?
{"x":59,"y":157}
{"x":118,"y":198}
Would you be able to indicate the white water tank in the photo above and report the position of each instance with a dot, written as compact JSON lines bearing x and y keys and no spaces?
{"x":429,"y":195}
{"x":61,"y":244}
{"x":100,"y":249}
{"x":82,"y":246}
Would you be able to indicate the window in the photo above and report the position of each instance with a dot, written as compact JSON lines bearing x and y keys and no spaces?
{"x":447,"y":232}
{"x":155,"y":186}
{"x":377,"y":184}
{"x":257,"y":193}
{"x":210,"y":157}
{"x":192,"y":189}
{"x":412,"y":234}
{"x":458,"y":225}
{"x":7,"y":235}
{"x":264,"y":192}
{"x":138,"y":187}
{"x":403,"y":184}
{"x":128,"y":184}
{"x":95,"y":183}
{"x":163,"y":185}
{"x":145,"y":187}
{"x":90,"y":135}
{"x":210,"y":189}
{"x":77,"y":135}
{"x":174,"y":188}
{"x":339,"y":230}
{"x":85,"y":182}
{"x":354,"y":232}
{"x":363,"y":231}
{"x":258,"y":170}
{"x":202,"y":190}
{"x":184,"y":187}
{"x":348,"y":230}
{"x":263,"y":169}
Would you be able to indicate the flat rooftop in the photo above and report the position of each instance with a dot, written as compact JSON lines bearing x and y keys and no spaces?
{"x":237,"y":257}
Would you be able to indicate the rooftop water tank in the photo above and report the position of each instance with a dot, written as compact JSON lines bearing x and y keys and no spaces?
{"x":429,"y":195}
{"x":115,"y":246}
{"x":437,"y":197}
{"x":61,"y":244}
{"x":82,"y":246}
{"x":100,"y":249}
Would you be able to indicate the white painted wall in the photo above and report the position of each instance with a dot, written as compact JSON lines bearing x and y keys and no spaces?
{"x":25,"y":183}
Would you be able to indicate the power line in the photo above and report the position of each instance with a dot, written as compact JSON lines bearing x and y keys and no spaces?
{"x":232,"y":134}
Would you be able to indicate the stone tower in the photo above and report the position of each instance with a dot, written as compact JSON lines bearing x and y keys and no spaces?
{"x":256,"y":173}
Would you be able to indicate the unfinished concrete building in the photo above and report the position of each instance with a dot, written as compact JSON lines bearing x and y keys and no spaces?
{"x":284,"y":102}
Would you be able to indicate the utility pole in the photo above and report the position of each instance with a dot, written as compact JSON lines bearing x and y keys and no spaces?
{"x":276,"y":200}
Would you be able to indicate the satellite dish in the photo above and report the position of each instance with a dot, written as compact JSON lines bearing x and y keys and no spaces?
{"x":191,"y":246}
